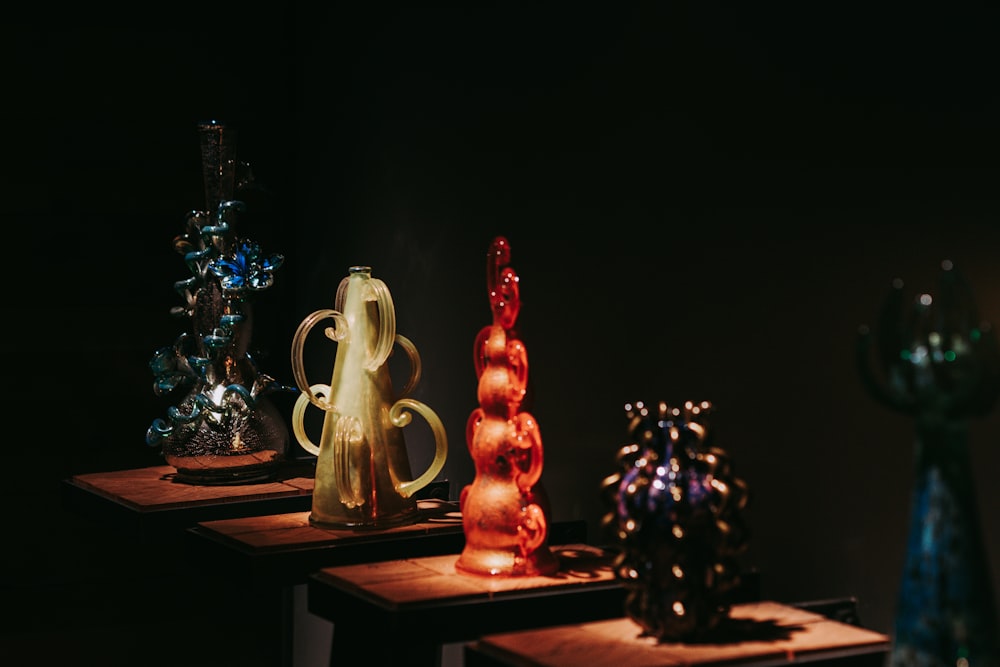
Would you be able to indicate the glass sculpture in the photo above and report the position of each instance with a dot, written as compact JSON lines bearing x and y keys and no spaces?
{"x":363,"y":475}
{"x":937,"y":363}
{"x":676,"y":511}
{"x":504,"y":510}
{"x":225,"y":429}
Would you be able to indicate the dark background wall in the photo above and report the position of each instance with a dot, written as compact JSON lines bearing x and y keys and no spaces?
{"x":703,"y":201}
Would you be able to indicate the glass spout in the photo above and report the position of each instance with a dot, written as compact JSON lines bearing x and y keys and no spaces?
{"x":218,"y":162}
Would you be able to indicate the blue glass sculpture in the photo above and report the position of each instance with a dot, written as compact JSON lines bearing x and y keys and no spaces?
{"x":936,"y":362}
{"x":225,"y":430}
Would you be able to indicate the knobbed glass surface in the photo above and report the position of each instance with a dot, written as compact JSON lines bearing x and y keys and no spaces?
{"x":936,"y":362}
{"x":363,"y":475}
{"x":225,"y":430}
{"x":505,"y":514}
{"x":676,"y":511}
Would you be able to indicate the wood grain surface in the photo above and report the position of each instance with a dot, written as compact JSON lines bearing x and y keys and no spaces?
{"x":154,"y":488}
{"x":783,"y":634}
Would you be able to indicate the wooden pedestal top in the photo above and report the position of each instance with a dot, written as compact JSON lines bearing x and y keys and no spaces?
{"x":773,"y":634}
{"x":154,"y":488}
{"x":412,"y":584}
{"x":280,"y":532}
{"x":148,"y":501}
{"x":286,"y":548}
{"x":426,"y":602}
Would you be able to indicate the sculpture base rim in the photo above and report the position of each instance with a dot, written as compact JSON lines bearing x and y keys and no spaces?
{"x":366,"y":523}
{"x":501,"y":563}
{"x":222,"y":475}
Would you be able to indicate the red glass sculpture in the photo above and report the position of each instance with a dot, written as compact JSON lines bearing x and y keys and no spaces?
{"x":504,"y":511}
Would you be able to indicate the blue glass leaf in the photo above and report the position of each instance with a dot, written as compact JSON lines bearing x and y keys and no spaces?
{"x":273,"y":262}
{"x":250,"y":251}
{"x":225,"y":266}
{"x":259,"y":281}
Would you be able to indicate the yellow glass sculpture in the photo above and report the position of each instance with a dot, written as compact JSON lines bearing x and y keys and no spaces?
{"x":363,"y":476}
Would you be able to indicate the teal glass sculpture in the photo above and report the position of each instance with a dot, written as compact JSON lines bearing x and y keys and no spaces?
{"x":937,"y":363}
{"x":225,"y":429}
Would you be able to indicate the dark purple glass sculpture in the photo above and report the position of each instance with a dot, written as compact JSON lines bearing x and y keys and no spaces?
{"x":677,"y":514}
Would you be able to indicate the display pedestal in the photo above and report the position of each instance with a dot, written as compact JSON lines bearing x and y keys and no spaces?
{"x":138,"y":519}
{"x":404,"y":611}
{"x":274,"y":554}
{"x":773,"y":635}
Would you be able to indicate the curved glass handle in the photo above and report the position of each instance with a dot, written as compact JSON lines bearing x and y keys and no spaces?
{"x":337,"y":333}
{"x":411,"y":352}
{"x":532,"y":530}
{"x":479,"y":355}
{"x":386,"y":324}
{"x":517,"y":362}
{"x":400,"y":417}
{"x":471,"y":426}
{"x":299,"y":410}
{"x":347,"y":438}
{"x":528,"y":441}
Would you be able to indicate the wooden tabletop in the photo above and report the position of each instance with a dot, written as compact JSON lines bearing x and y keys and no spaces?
{"x":425,"y":603}
{"x":770,"y":633}
{"x":286,"y":548}
{"x":150,"y":498}
{"x":434,"y":582}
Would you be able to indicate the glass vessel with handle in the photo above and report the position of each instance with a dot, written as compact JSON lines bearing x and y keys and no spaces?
{"x":363,"y":474}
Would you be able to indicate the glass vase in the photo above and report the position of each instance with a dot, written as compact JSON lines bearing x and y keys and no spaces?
{"x":677,"y":514}
{"x":935,"y":362}
{"x":363,"y":473}
{"x":225,"y":429}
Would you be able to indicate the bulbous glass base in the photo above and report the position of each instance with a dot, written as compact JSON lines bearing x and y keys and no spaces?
{"x":246,"y":451}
